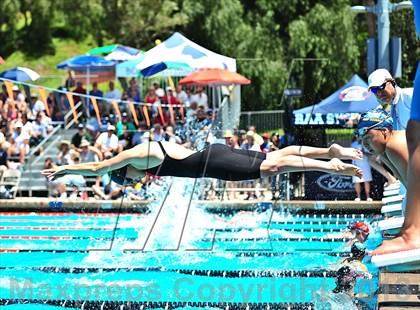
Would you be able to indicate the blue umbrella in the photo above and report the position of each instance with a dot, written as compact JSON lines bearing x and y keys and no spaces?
{"x":81,"y":63}
{"x":20,"y":74}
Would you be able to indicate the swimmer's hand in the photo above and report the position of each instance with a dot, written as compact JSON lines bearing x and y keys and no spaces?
{"x":338,"y":167}
{"x":53,"y":173}
{"x":337,"y":151}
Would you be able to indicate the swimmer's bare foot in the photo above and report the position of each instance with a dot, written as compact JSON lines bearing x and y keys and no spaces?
{"x":338,"y":167}
{"x":404,"y":242}
{"x":337,"y":151}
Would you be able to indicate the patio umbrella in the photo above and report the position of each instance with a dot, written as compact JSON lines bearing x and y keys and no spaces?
{"x":117,"y":52}
{"x":214,"y":77}
{"x":90,"y":68}
{"x":20,"y":74}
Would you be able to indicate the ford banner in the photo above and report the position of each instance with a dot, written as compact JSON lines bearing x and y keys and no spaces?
{"x":324,"y":186}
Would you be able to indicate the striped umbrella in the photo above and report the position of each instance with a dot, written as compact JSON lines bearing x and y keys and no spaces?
{"x":20,"y":74}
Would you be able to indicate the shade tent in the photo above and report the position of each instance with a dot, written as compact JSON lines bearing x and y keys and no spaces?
{"x":353,"y":98}
{"x":179,"y":49}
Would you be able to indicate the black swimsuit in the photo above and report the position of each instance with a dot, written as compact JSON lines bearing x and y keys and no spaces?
{"x":214,"y":161}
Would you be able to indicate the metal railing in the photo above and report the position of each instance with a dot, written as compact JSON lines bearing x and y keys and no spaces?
{"x":262,"y":120}
{"x":33,"y":158}
{"x":69,"y":119}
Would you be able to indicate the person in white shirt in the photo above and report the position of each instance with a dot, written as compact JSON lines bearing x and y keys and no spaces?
{"x":366,"y":178}
{"x":107,"y":142}
{"x":182,"y":96}
{"x":200,"y":97}
{"x":112,"y":94}
{"x":37,"y":105}
{"x":384,"y":87}
{"x":39,"y":129}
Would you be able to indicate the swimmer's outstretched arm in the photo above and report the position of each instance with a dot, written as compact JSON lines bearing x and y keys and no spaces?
{"x":334,"y":151}
{"x":94,"y":168}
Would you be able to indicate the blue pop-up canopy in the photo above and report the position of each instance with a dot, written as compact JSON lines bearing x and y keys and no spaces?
{"x":352,"y":98}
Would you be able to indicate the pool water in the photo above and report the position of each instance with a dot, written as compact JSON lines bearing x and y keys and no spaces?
{"x":178,"y":256}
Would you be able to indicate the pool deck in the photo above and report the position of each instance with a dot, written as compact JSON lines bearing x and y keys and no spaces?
{"x":399,"y":290}
{"x":48,"y":204}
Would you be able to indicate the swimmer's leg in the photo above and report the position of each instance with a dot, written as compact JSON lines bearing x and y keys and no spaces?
{"x":276,"y":163}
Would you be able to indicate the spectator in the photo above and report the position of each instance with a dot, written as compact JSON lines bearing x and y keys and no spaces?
{"x":158,"y":90}
{"x":27,"y":126}
{"x":170,"y":98}
{"x":4,"y":162}
{"x":79,"y":136}
{"x":200,"y":97}
{"x":39,"y":130}
{"x":109,"y":191}
{"x":107,"y":142}
{"x":133,"y":94}
{"x":249,"y":143}
{"x":20,"y":143}
{"x":274,"y":141}
{"x":367,"y":173}
{"x":258,"y":139}
{"x":17,"y":94}
{"x":182,"y":96}
{"x":170,"y":135}
{"x":157,"y":133}
{"x":137,"y":136}
{"x":78,"y":90}
{"x":65,"y":154}
{"x":125,"y":122}
{"x":387,"y":92}
{"x":89,"y":153}
{"x":37,"y":105}
{"x":70,"y":81}
{"x":252,"y":146}
{"x":75,"y":180}
{"x":102,"y":105}
{"x":266,"y":146}
{"x":4,"y":94}
{"x":287,"y":139}
{"x":125,"y":140}
{"x":56,"y":113}
{"x":191,"y":111}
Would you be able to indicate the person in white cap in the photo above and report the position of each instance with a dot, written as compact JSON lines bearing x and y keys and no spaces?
{"x":383,"y":86}
{"x":107,"y":142}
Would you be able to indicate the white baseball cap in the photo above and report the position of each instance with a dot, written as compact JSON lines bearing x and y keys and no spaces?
{"x":18,"y":124}
{"x":378,"y":77}
{"x":111,"y":127}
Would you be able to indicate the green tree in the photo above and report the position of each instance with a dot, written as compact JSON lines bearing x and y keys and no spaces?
{"x":36,"y":34}
{"x":8,"y":26}
{"x":325,"y":33}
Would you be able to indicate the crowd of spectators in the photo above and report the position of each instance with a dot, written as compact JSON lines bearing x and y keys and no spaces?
{"x":23,"y":124}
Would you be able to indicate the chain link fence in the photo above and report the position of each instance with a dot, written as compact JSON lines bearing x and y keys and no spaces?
{"x":262,"y":120}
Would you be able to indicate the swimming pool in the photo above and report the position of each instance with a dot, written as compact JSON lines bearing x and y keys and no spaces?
{"x":174,"y":257}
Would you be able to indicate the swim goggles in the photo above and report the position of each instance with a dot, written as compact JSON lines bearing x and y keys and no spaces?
{"x":362,"y":131}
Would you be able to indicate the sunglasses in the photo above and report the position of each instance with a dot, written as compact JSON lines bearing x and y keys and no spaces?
{"x":363,"y":131}
{"x":375,"y":89}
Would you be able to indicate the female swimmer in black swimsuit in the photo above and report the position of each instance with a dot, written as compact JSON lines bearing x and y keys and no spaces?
{"x":214,"y":161}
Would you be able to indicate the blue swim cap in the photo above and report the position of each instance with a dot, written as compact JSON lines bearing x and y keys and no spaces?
{"x":377,"y":119}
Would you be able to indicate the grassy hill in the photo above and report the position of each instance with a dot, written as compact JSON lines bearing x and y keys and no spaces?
{"x":45,"y":65}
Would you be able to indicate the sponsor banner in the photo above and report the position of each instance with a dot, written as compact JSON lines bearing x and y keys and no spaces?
{"x":324,"y":186}
{"x":323,"y":119}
